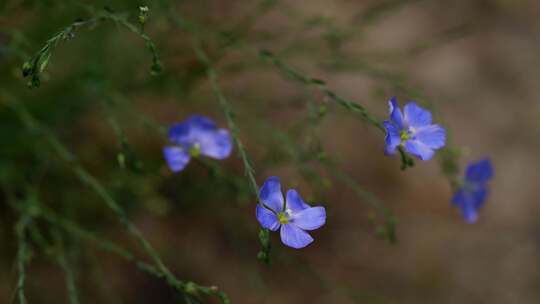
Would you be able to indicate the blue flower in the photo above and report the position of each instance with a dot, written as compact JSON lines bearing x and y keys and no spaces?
{"x":294,"y":217}
{"x":197,"y":135}
{"x":412,"y":131}
{"x":472,"y":194}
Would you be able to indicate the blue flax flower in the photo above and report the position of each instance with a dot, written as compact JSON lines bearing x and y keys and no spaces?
{"x":413,"y":131}
{"x":472,"y":194}
{"x":294,"y":217}
{"x":197,"y":135}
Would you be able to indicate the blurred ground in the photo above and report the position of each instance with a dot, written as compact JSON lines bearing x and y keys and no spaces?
{"x":475,"y":61}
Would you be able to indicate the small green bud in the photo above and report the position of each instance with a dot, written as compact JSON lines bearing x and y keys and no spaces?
{"x":323,"y":109}
{"x":264,"y":237}
{"x":195,"y":150}
{"x":143,"y":14}
{"x":261,"y":255}
{"x":26,"y":69}
{"x":121,"y":158}
{"x":34,"y":81}
{"x":156,"y":68}
{"x":191,"y":288}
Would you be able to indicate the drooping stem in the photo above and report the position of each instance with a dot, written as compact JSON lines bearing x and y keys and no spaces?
{"x":34,"y":66}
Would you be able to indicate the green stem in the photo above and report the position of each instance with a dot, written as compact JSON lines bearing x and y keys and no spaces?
{"x":38,"y":63}
{"x":321,"y":86}
{"x":86,"y":178}
{"x":22,"y":253}
{"x":227,"y":111}
{"x":264,"y":254}
{"x":63,"y":261}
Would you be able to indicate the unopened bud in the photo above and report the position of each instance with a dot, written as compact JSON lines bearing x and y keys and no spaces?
{"x":191,"y":288}
{"x":143,"y":14}
{"x":26,"y":69}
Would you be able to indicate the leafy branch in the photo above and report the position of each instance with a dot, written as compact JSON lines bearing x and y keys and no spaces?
{"x":321,"y":86}
{"x":37,"y":64}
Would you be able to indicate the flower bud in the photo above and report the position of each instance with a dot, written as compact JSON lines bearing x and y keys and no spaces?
{"x":143,"y":14}
{"x":26,"y":69}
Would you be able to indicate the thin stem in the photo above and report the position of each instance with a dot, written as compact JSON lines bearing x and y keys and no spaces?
{"x":104,"y":244}
{"x":22,"y":254}
{"x":292,"y":72}
{"x":86,"y":178}
{"x":127,"y":157}
{"x":40,"y":60}
{"x":321,"y":86}
{"x":264,"y":237}
{"x":227,"y":111}
{"x":62,"y":259}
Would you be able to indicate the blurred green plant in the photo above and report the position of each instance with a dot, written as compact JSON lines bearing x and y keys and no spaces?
{"x":38,"y":63}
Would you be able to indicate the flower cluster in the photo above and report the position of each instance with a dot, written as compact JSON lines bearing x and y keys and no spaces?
{"x":410,"y":131}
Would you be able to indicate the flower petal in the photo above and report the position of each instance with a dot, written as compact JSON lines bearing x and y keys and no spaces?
{"x":470,"y":202}
{"x":217,"y":144}
{"x":294,"y":237}
{"x":294,"y":202}
{"x":267,"y":218}
{"x":470,"y":214}
{"x":475,"y":198}
{"x":191,"y":130}
{"x":418,"y":149}
{"x":416,"y":116}
{"x":479,"y":172}
{"x":395,"y":113}
{"x":433,"y":136}
{"x":310,"y":218}
{"x":200,"y":122}
{"x":270,"y":194}
{"x":176,"y":157}
{"x":392,"y":139}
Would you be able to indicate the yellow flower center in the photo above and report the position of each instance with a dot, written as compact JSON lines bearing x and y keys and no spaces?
{"x":404,"y":135}
{"x":283,"y":218}
{"x":195,"y":150}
